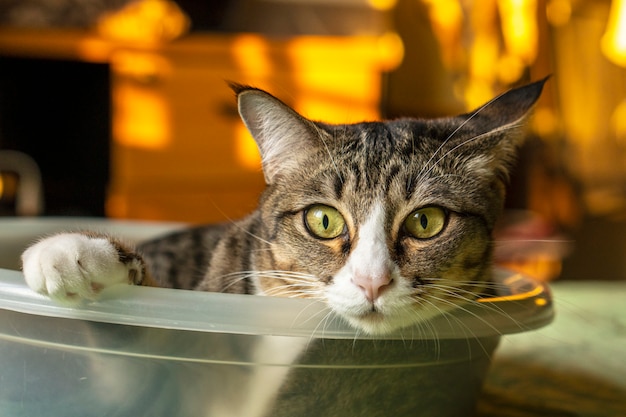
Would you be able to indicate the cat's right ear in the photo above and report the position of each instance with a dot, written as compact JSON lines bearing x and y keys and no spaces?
{"x":280,"y":132}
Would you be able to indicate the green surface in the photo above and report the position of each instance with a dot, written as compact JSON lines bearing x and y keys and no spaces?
{"x":574,"y":367}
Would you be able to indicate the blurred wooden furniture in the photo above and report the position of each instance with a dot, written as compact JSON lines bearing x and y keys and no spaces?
{"x":179,"y":151}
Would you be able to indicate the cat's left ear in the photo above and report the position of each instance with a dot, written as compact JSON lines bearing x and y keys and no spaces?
{"x":495,"y":130}
{"x":509,"y":109}
{"x":281,"y":134}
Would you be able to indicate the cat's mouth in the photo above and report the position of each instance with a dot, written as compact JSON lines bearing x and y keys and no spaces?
{"x":376,"y":319}
{"x":374,"y":315}
{"x":373,"y":322}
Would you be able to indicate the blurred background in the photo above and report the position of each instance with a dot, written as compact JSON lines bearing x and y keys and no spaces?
{"x":120,"y":108}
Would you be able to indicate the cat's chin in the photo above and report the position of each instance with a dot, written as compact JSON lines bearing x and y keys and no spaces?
{"x":377,"y":323}
{"x":374,"y":323}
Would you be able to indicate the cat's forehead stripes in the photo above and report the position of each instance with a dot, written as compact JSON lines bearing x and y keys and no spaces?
{"x":367,"y":156}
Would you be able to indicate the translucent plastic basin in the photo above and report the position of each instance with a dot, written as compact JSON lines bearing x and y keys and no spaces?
{"x":159,"y":352}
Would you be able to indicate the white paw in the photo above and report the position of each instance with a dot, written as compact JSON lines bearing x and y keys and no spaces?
{"x":70,"y":267}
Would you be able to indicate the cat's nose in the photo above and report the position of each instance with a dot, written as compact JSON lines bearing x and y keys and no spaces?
{"x":372,"y":286}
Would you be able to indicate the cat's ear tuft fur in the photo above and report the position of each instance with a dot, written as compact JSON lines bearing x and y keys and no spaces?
{"x":278,"y":130}
{"x":507,"y":111}
{"x":496,"y":128}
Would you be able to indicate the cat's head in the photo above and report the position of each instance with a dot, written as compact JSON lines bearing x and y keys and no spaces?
{"x":389,"y":222}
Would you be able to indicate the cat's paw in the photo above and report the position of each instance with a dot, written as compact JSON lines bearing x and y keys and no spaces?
{"x":70,"y":267}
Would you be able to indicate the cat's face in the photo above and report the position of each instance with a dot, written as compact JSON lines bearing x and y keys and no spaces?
{"x":388,"y":223}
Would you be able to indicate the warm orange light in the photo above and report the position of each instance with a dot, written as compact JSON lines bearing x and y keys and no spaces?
{"x":446,"y":17}
{"x":545,"y":122}
{"x":251,"y":54}
{"x":483,"y":57}
{"x":390,"y":51}
{"x":559,"y":12}
{"x":514,"y":297}
{"x":483,"y":53}
{"x":471,"y":36}
{"x":325,"y":91}
{"x":145,"y":21}
{"x":542,"y":267}
{"x":94,"y":49}
{"x":519,"y":28}
{"x":142,"y":117}
{"x":117,"y":205}
{"x":382,"y":53}
{"x":477,"y":92}
{"x":613,"y":42}
{"x":618,"y":123}
{"x":510,"y":68}
{"x":246,"y":149}
{"x":341,"y":96}
{"x":382,"y":5}
{"x":140,"y":66}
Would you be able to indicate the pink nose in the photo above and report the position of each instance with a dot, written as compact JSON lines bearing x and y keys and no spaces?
{"x":372,"y":286}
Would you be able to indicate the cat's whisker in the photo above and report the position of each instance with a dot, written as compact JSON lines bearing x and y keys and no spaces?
{"x":358,"y":333}
{"x":291,"y":284}
{"x":491,"y":307}
{"x":466,"y":310}
{"x":442,"y":312}
{"x":463,"y":294}
{"x":515,"y":241}
{"x":324,"y":322}
{"x":295,"y":284}
{"x":293,"y":291}
{"x":426,"y":329}
{"x":293,"y":277}
{"x":451,"y":317}
{"x":260,"y":250}
{"x":296,"y":319}
{"x":304,"y":285}
{"x":234,"y":278}
{"x":439,"y":177}
{"x":259,"y":238}
{"x":457,"y":286}
{"x":301,"y":281}
{"x":464,"y":326}
{"x":236,"y":224}
{"x":328,"y":321}
{"x":287,"y":278}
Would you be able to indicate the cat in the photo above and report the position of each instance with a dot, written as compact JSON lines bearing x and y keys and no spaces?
{"x":389,"y":223}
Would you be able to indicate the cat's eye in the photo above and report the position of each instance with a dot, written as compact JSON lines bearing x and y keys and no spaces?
{"x":324,"y":222}
{"x":426,"y":222}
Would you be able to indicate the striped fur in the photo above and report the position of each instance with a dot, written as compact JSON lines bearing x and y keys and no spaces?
{"x":376,"y":272}
{"x":459,"y":163}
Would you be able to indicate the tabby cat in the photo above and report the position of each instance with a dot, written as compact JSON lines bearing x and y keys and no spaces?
{"x":389,"y":223}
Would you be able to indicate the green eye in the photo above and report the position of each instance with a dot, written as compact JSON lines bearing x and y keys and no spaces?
{"x":426,"y":222}
{"x":324,"y":222}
